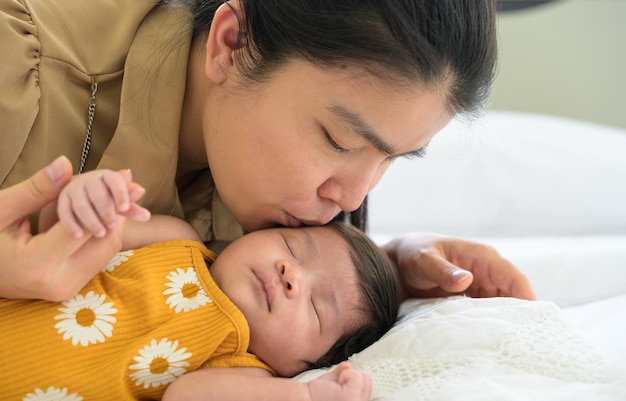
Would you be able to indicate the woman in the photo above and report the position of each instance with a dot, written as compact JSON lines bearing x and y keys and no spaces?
{"x":256,"y":114}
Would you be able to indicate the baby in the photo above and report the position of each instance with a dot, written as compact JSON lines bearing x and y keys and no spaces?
{"x":274,"y":303}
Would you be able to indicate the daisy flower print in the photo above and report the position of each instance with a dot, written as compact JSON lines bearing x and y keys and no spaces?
{"x":159,"y":363}
{"x":117,"y":260}
{"x":52,"y":394}
{"x":185,"y":291}
{"x":86,"y":319}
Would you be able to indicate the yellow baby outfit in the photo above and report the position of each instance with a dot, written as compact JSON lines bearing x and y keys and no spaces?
{"x":152,"y":314}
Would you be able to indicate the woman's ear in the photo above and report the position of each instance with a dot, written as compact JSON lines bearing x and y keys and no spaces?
{"x":222,"y":42}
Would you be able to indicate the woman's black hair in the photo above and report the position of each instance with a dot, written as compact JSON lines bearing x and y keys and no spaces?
{"x":446,"y":45}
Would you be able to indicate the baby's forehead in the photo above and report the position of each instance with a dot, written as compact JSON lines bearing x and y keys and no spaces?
{"x":339,"y":237}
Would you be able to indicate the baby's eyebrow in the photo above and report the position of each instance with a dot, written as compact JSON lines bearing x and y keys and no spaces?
{"x":334,"y":303}
{"x":309,"y":241}
{"x":329,"y":308}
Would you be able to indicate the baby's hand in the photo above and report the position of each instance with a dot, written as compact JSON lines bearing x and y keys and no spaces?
{"x":92,"y":202}
{"x":343,"y":384}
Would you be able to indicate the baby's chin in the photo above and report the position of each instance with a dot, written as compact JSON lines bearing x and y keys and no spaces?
{"x":284,"y":365}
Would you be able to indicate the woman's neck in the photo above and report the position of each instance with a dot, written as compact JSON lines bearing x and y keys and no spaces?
{"x":192,"y":153}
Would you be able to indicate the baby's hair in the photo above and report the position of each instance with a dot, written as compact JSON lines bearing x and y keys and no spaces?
{"x":380,"y":286}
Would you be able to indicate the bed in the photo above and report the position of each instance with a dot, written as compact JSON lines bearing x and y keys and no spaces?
{"x":550,"y":194}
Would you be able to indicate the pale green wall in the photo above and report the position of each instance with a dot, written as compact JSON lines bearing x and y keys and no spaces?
{"x":567,"y":58}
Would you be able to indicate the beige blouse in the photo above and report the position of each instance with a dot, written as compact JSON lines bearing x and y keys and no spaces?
{"x":53,"y":56}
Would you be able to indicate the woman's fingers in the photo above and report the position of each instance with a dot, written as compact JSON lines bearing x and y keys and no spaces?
{"x":32,"y":194}
{"x":65,"y":263}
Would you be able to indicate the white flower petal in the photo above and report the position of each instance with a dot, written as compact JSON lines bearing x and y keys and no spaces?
{"x":159,"y":363}
{"x":117,"y":260}
{"x":51,"y":394}
{"x":185,"y":291}
{"x":86,"y":319}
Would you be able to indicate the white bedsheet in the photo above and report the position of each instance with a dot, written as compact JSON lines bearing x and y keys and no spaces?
{"x":603,"y":323}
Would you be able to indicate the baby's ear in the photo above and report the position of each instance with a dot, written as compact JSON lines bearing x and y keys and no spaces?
{"x":222,"y":42}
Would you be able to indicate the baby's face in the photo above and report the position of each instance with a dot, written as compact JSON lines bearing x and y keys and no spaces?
{"x":298,"y":289}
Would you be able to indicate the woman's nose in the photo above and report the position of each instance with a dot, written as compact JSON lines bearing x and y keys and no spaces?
{"x":349,"y":191}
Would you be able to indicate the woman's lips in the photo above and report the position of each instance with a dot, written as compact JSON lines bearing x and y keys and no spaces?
{"x":293,"y":222}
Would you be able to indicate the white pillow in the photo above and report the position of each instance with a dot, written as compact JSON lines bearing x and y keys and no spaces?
{"x":509,"y":174}
{"x":484,"y":349}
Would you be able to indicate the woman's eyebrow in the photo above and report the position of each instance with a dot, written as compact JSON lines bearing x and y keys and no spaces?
{"x":359,"y":126}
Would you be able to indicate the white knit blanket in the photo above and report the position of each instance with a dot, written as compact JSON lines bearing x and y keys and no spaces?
{"x":485,"y":349}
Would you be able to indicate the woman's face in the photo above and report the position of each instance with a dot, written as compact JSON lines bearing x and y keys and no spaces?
{"x":311,"y":142}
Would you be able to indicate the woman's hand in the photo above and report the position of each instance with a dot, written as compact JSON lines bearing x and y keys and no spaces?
{"x":52,"y":265}
{"x":431,"y":265}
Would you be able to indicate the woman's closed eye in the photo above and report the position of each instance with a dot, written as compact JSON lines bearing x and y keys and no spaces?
{"x":333,"y":143}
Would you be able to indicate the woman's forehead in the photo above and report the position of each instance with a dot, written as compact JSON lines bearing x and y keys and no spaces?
{"x":359,"y":99}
